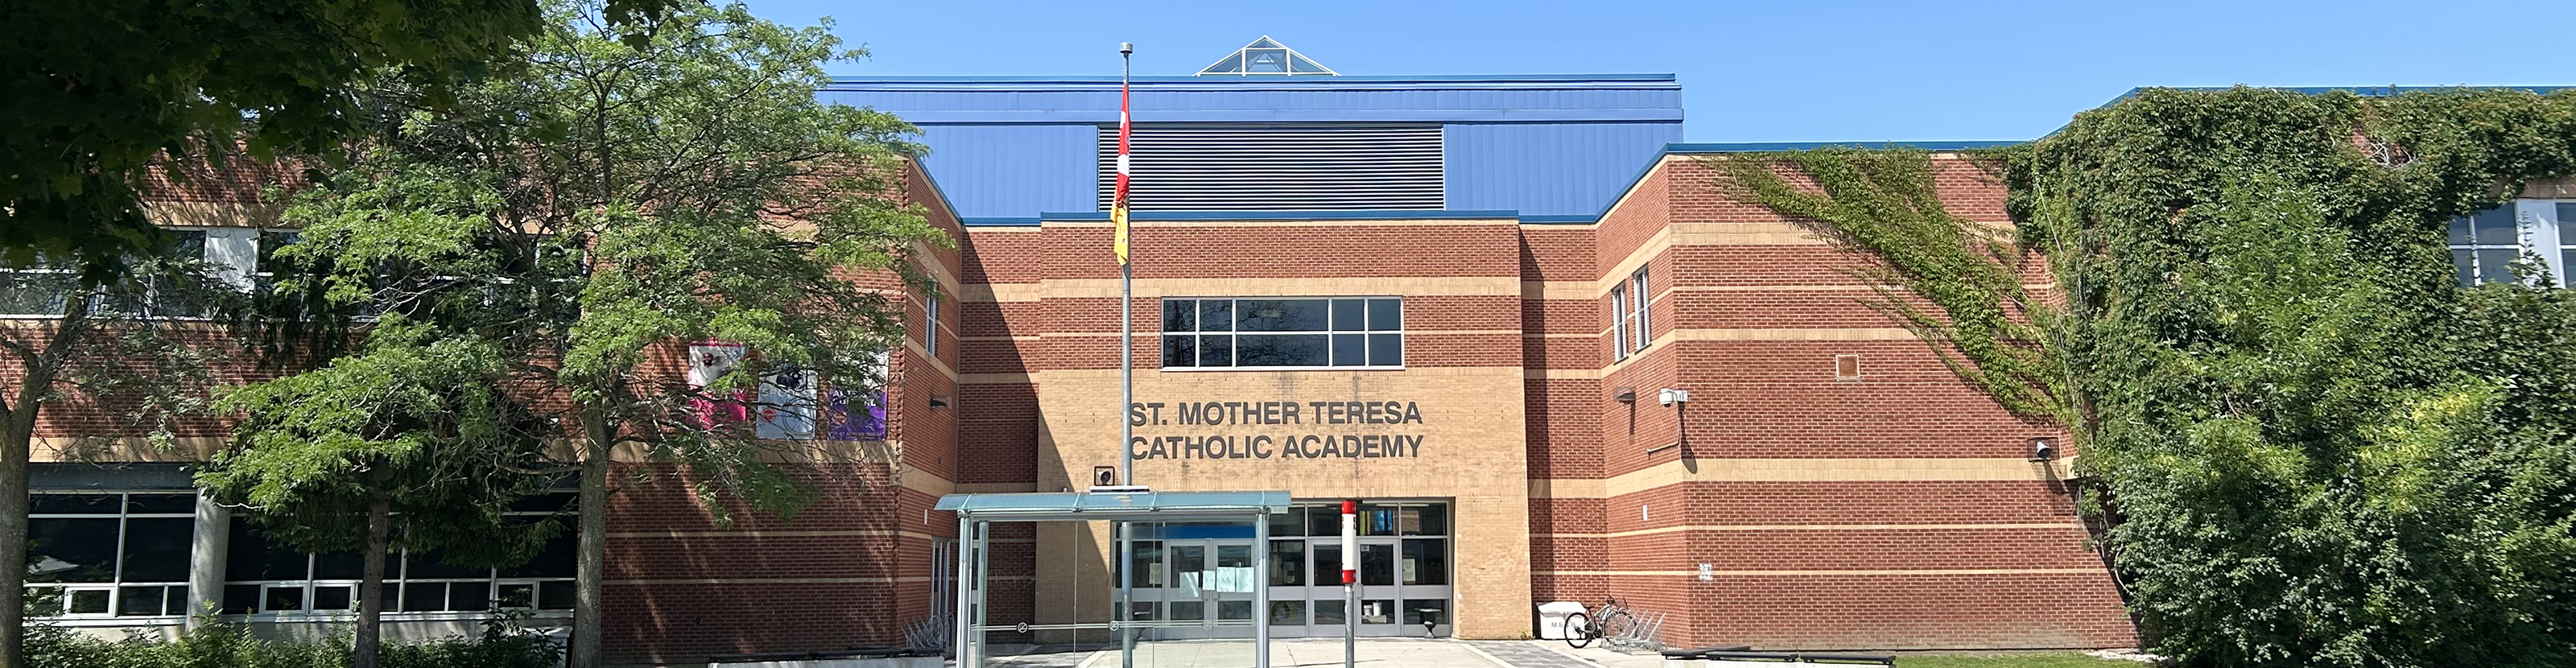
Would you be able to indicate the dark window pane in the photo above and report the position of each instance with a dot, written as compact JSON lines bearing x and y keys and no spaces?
{"x":426,"y":566}
{"x":1426,"y":561}
{"x":2495,"y":265}
{"x":1216,"y":315}
{"x":424,"y":596}
{"x":87,"y":601}
{"x":351,"y":566}
{"x":1288,"y":613}
{"x":1180,"y":315}
{"x":555,"y":595}
{"x":241,"y":599}
{"x":1417,"y":608}
{"x":1280,"y":350}
{"x":2495,"y":226}
{"x":72,"y":550}
{"x":1189,"y":610}
{"x":34,"y":292}
{"x":333,"y":598}
{"x":161,"y":503}
{"x":250,"y":555}
{"x":469,"y":596}
{"x":2566,"y":216}
{"x":138,"y":601}
{"x":285,"y":598}
{"x":2466,"y":261}
{"x":1216,"y":350}
{"x":1435,"y":521}
{"x":517,"y":596}
{"x":1377,"y":564}
{"x":1350,"y":315}
{"x":2460,"y":232}
{"x":1328,"y":611}
{"x":1181,"y":350}
{"x":176,"y":602}
{"x":1143,"y":611}
{"x":1386,"y":315}
{"x":1377,"y":520}
{"x":1323,"y":520}
{"x":1328,"y":563}
{"x":558,"y":559}
{"x":1291,"y":523}
{"x":156,"y":549}
{"x":72,"y":504}
{"x":1350,"y":350}
{"x":2567,"y":264}
{"x":1288,"y":563}
{"x":546,"y":503}
{"x":1280,"y":315}
{"x":1386,"y":350}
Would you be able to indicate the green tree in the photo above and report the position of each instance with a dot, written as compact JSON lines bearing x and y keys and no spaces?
{"x":615,"y":201}
{"x":412,"y":442}
{"x":110,"y":339}
{"x":2319,"y":448}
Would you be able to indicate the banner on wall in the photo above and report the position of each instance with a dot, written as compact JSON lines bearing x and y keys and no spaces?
{"x":708,"y":361}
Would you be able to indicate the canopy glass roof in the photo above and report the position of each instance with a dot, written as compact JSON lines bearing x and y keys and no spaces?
{"x":1266,"y":56}
{"x":1135,"y":506}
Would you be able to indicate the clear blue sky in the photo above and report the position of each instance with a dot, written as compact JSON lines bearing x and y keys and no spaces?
{"x":1758,"y":71}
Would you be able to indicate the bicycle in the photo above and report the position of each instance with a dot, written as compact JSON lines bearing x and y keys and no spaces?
{"x":1615,"y":621}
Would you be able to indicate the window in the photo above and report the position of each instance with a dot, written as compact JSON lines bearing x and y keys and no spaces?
{"x":1619,"y":322}
{"x":1215,"y":333}
{"x":1639,"y":331}
{"x":265,"y":577}
{"x":930,"y":323}
{"x":37,"y":288}
{"x":229,"y":255}
{"x":110,"y":554}
{"x":2484,"y":246}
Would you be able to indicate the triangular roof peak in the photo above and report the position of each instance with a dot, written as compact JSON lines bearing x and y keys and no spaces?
{"x":1267,"y":56}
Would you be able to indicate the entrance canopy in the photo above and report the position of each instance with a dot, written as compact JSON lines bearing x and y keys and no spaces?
{"x":976,"y":513}
{"x":1118,"y":506}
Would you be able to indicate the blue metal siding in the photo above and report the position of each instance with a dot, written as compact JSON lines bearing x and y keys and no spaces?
{"x":1201,"y":103}
{"x":1548,"y":169}
{"x":1012,"y":170}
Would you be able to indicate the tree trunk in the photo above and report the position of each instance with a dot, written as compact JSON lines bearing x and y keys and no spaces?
{"x":589,"y":581}
{"x":15,"y":435}
{"x":371,"y":583}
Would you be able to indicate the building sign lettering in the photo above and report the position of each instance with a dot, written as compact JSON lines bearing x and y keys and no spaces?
{"x":1248,"y":437}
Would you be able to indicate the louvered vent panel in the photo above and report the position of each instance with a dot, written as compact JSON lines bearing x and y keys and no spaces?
{"x":1238,"y":168}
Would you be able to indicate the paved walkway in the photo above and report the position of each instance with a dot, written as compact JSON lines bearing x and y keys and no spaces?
{"x":1327,"y":653}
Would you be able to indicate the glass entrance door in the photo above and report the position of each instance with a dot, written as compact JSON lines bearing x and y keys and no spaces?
{"x":1206,"y":592}
{"x":1195,"y":581}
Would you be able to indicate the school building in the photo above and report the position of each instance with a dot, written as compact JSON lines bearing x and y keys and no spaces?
{"x":1513,"y":315}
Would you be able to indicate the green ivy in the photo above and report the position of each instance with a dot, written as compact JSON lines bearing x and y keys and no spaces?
{"x":2316,"y":448}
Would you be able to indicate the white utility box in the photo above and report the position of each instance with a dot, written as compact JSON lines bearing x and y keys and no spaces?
{"x":1551,"y":618}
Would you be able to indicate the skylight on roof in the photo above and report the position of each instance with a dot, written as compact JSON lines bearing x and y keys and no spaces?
{"x":1266,"y":56}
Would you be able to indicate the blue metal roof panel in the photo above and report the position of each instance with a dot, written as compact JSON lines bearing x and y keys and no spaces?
{"x":1012,"y":170}
{"x":1270,"y":106}
{"x":1548,"y":169}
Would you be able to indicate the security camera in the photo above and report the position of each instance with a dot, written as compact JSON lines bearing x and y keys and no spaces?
{"x":1669,"y":396}
{"x":2041,"y":450}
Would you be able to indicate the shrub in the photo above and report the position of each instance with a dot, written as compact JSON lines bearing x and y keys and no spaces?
{"x":502,"y":645}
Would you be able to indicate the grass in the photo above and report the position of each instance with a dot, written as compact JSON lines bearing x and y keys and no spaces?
{"x":2009,"y":660}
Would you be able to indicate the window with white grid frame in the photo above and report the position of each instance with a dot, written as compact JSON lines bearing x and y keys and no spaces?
{"x":1283,"y":333}
{"x":265,"y":577}
{"x":2485,"y":245}
{"x":1641,"y":331}
{"x":112,"y":554}
{"x":1619,"y":322}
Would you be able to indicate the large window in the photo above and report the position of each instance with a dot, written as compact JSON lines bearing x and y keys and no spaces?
{"x":2485,"y":246}
{"x":1217,"y":333}
{"x":1629,"y":328}
{"x":262,"y":576}
{"x":228,"y":257}
{"x":110,"y":555}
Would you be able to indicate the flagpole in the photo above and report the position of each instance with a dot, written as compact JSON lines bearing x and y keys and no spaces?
{"x":1126,"y":370}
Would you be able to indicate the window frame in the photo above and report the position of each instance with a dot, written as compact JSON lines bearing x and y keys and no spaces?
{"x":116,"y":585}
{"x":1619,"y":322}
{"x":1233,"y":332}
{"x":1640,"y":328}
{"x":397,"y":582}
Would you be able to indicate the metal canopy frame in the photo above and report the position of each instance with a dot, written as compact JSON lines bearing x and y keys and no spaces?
{"x":976,"y":514}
